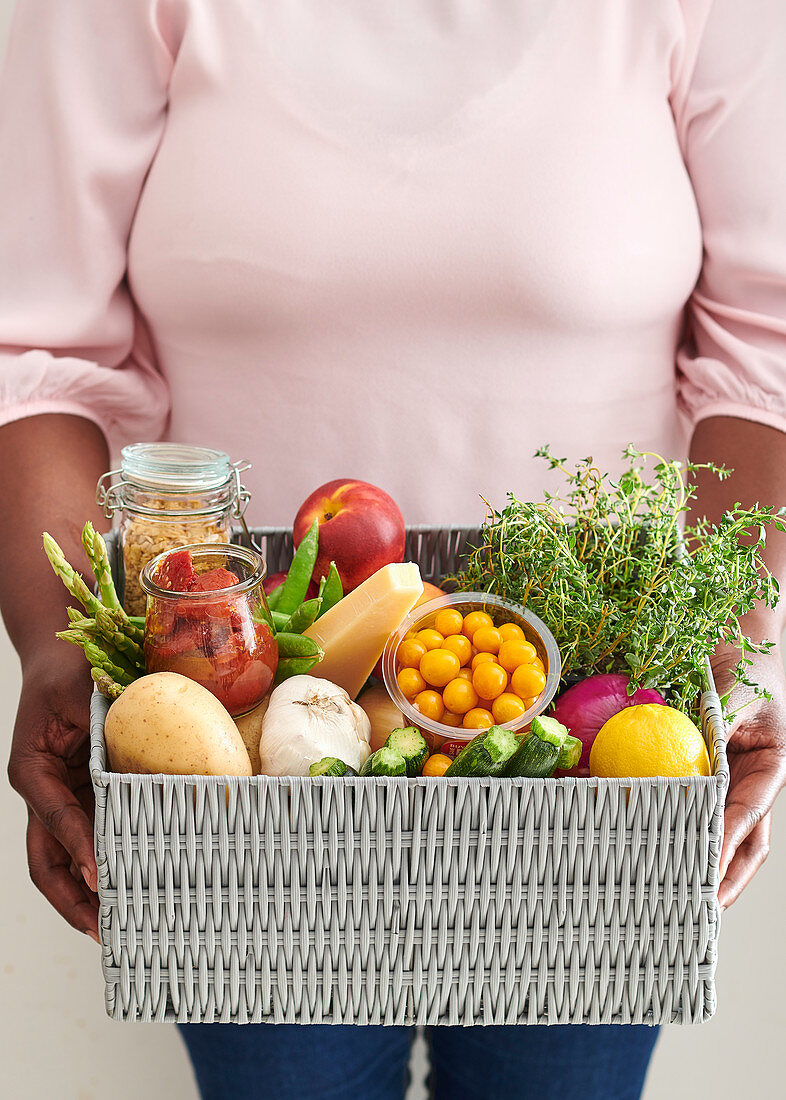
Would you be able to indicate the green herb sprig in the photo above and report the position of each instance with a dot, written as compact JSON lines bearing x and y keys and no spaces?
{"x":605,"y":565}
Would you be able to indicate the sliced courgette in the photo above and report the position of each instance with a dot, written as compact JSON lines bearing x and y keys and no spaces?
{"x":538,"y":752}
{"x":486,"y":755}
{"x":411,"y":743}
{"x":569,"y":754}
{"x":330,"y":766}
{"x":550,"y":730}
{"x":385,"y":761}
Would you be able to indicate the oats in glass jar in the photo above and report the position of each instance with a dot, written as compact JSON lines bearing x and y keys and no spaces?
{"x":169,"y":495}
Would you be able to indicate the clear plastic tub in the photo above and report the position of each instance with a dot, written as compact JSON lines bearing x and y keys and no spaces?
{"x":500,"y":610}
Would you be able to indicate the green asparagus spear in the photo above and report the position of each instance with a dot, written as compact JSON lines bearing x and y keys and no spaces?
{"x":80,"y":622}
{"x":104,"y":629}
{"x":101,"y":654}
{"x":95,"y":548}
{"x":107,"y":625}
{"x":99,"y":658}
{"x":123,"y":623}
{"x":70,"y":578}
{"x":105,"y":684}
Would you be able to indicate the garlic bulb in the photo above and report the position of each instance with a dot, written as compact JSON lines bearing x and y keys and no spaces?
{"x":307,"y":719}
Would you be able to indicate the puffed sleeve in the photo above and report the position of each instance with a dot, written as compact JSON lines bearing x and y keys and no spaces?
{"x":729,"y":105}
{"x":83,"y":98}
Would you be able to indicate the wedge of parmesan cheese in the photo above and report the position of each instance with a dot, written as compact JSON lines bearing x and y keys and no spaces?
{"x":354,"y":632}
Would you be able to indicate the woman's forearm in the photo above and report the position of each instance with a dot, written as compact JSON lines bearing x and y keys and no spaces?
{"x":48,"y":471}
{"x":757,"y":455}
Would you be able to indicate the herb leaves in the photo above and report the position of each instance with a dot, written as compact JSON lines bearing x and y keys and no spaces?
{"x":605,"y":566}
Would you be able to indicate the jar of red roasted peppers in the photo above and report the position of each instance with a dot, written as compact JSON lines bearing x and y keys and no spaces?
{"x":207,"y":619}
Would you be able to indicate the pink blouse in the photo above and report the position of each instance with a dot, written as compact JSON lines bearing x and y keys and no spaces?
{"x":405,"y":242}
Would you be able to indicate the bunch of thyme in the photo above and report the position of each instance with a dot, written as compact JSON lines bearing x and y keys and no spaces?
{"x":606,"y":566}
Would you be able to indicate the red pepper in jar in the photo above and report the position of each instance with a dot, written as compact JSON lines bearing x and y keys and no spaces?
{"x":220,"y":641}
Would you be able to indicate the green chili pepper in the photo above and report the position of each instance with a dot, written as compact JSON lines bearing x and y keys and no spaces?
{"x":293,"y":666}
{"x":299,"y":576}
{"x":305,"y":616}
{"x":331,"y":589}
{"x":298,"y":645}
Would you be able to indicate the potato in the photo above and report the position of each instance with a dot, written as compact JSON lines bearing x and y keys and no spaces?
{"x":250,"y":726}
{"x":167,"y":723}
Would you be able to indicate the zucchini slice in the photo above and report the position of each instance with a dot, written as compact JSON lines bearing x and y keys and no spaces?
{"x":330,"y":766}
{"x":569,"y":754}
{"x":539,"y":750}
{"x":411,"y":743}
{"x":385,"y":761}
{"x":486,"y":755}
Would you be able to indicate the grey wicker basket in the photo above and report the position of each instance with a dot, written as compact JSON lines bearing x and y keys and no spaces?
{"x":419,"y":901}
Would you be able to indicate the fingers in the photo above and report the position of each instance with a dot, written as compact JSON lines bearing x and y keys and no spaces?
{"x":49,"y":866}
{"x":41,"y":781}
{"x":749,"y":800}
{"x":747,"y":859}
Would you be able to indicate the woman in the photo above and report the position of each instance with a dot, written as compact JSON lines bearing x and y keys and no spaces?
{"x":409,"y":243}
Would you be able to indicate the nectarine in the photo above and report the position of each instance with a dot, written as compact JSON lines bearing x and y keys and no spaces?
{"x":360,"y":528}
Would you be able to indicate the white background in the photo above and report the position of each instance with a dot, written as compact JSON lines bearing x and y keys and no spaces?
{"x":56,"y":1042}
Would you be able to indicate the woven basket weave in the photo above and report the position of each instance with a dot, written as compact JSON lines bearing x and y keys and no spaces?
{"x":395,"y":901}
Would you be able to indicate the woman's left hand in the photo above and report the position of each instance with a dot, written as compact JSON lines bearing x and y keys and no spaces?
{"x":757,"y":762}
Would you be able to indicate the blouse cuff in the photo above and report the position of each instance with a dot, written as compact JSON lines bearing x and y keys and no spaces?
{"x":23,"y":409}
{"x":741,"y":412}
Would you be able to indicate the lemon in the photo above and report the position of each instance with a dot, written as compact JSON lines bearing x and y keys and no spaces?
{"x":646,"y":740}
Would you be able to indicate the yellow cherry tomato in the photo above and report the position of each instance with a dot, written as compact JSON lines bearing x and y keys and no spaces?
{"x":448,"y":621}
{"x":450,"y":719}
{"x":482,"y":659}
{"x":459,"y":696}
{"x":478,"y":719}
{"x":411,"y":682}
{"x":530,"y":702}
{"x":438,"y":667}
{"x":509,"y":631}
{"x":459,"y":645}
{"x":487,"y":639}
{"x":431,"y":639}
{"x":465,"y":674}
{"x":409,"y":653}
{"x":474,"y":621}
{"x":437,"y":764}
{"x":527,"y":681}
{"x":489,"y":680}
{"x":516,"y":652}
{"x":430,"y":705}
{"x":507,"y":708}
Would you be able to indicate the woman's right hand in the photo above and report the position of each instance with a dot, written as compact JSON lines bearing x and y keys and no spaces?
{"x":49,"y":769}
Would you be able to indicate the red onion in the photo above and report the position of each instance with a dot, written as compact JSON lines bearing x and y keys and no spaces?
{"x":588,"y":705}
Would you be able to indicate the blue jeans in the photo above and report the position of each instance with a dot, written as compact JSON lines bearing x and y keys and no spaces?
{"x":326,"y":1062}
